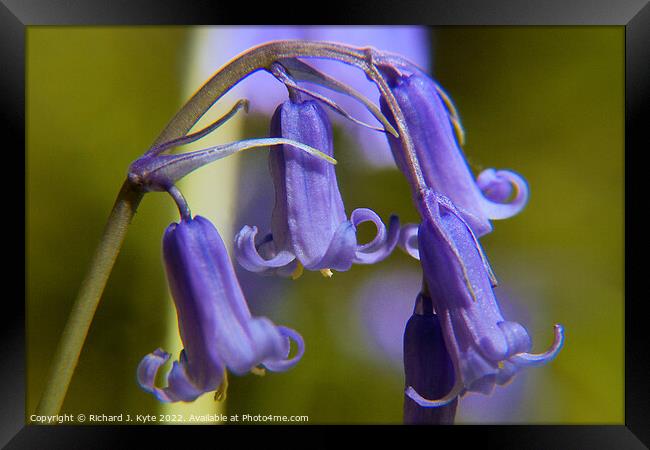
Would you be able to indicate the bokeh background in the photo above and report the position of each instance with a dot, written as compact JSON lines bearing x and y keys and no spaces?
{"x":546,"y":102}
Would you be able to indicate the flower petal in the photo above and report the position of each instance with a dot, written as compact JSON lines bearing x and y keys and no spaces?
{"x":497,"y":186}
{"x":248,"y":255}
{"x":148,"y":368}
{"x":539,"y":359}
{"x":262,"y":341}
{"x":426,"y":403}
{"x":215,"y":323}
{"x":361,"y":215}
{"x":516,"y":336}
{"x":341,"y":250}
{"x":506,"y":373}
{"x":180,"y":387}
{"x":383,"y":244}
{"x":286,"y":364}
{"x":408,"y":239}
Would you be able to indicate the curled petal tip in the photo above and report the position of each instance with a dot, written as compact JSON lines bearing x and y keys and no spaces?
{"x":408,"y":240}
{"x":425,"y":403}
{"x":180,"y":388}
{"x":361,"y":215}
{"x":160,"y":353}
{"x":497,"y":186}
{"x":384,"y":242}
{"x":286,"y":364}
{"x":248,"y":256}
{"x":538,"y":359}
{"x":148,"y":368}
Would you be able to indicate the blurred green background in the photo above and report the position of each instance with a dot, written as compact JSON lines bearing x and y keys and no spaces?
{"x":544,"y":101}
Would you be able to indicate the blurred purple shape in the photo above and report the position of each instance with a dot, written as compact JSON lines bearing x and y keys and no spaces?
{"x":265,"y":93}
{"x":501,"y":407}
{"x":384,"y":305}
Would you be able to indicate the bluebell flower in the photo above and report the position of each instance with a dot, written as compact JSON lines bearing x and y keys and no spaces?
{"x":309,"y":225}
{"x":214,"y":321}
{"x":427,"y":366}
{"x":486,"y":350}
{"x":435,"y":130}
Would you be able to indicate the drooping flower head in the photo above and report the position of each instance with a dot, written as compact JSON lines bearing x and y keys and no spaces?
{"x":485,"y":348}
{"x":427,"y":366}
{"x":434,"y":128}
{"x":215,"y":324}
{"x":309,"y":226}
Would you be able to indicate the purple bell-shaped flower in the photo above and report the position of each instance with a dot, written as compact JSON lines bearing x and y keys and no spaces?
{"x":309,"y":226}
{"x":215,"y":324}
{"x":431,"y":120}
{"x":485,"y":348}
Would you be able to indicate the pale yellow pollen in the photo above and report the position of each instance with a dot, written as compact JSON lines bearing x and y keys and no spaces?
{"x":259,"y":371}
{"x":327,"y":273}
{"x":222,"y":390}
{"x":297,"y":273}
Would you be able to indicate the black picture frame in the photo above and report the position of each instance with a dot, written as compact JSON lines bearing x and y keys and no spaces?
{"x":634,"y":15}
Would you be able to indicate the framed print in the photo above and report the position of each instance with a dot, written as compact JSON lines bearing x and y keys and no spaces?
{"x":418,"y":218}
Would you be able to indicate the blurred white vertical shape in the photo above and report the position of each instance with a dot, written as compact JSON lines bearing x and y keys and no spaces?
{"x":211,"y":190}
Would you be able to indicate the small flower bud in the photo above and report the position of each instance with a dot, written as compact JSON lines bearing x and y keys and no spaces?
{"x":427,"y":366}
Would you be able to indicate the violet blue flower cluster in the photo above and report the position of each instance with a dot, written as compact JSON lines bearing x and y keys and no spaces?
{"x":457,"y":340}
